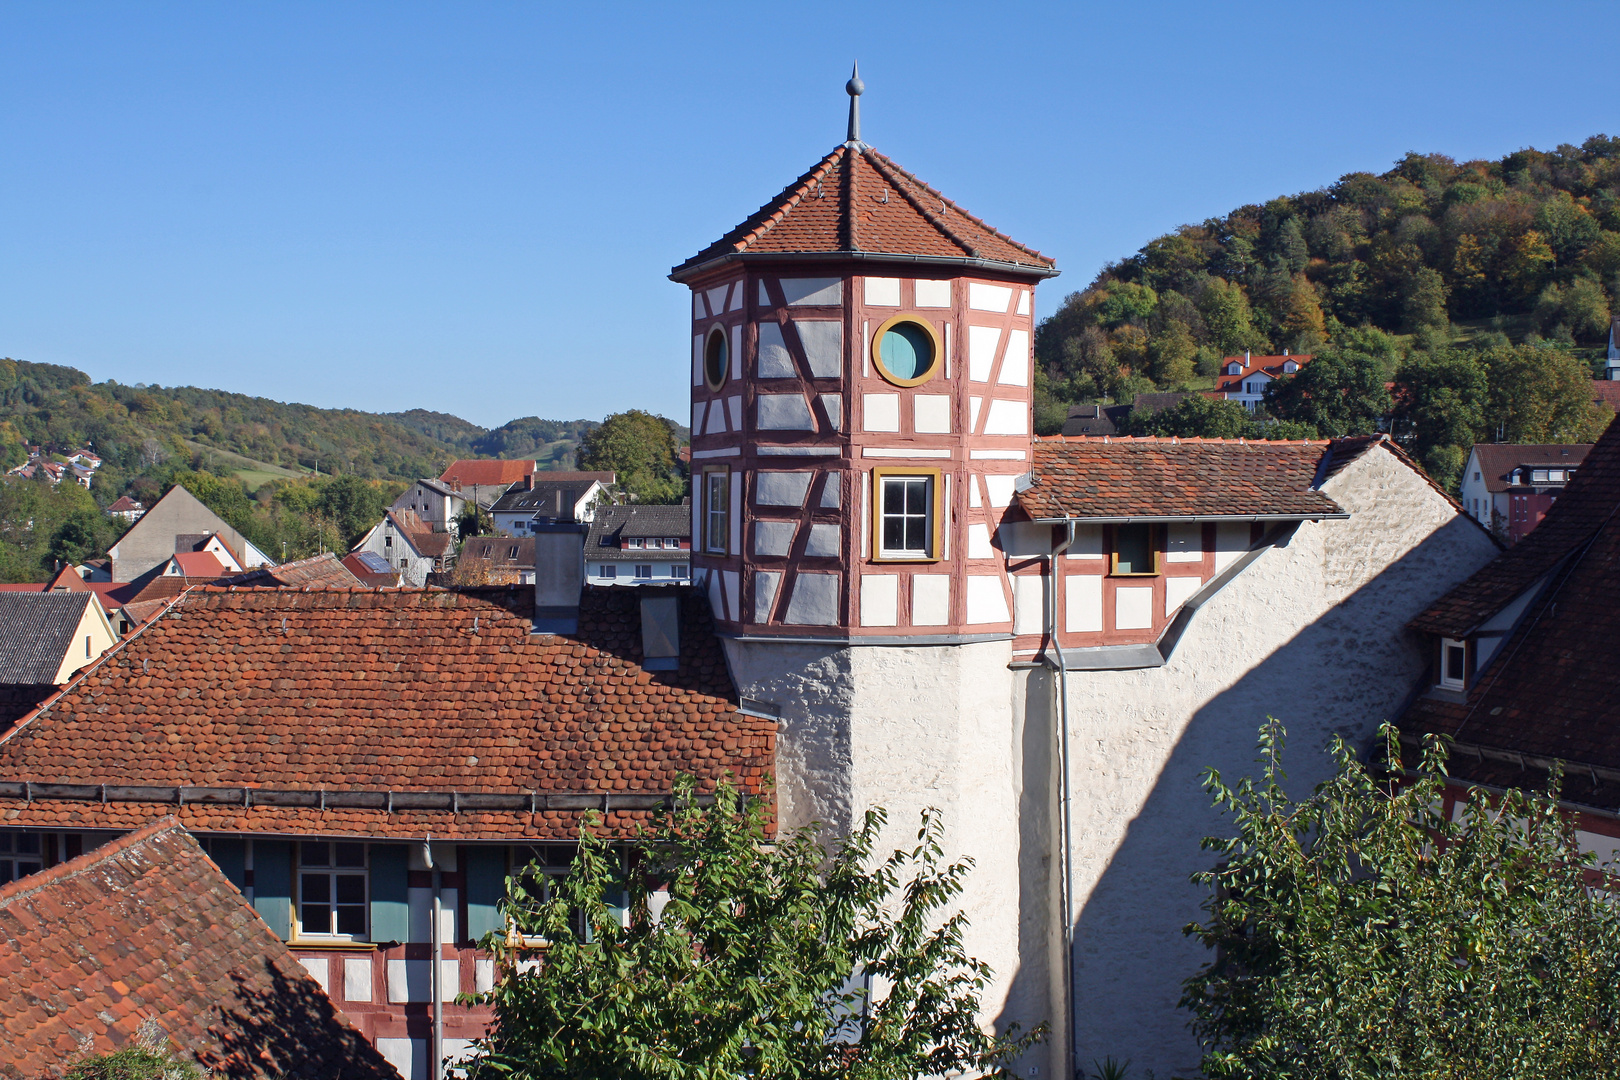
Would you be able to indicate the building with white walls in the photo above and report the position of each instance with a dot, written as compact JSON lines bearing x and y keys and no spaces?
{"x":1046,"y":640}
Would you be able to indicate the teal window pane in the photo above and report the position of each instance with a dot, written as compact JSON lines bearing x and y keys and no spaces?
{"x":907,"y":351}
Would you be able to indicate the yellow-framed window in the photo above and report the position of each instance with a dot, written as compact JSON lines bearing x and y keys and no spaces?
{"x":908,"y":517}
{"x":1134,"y":550}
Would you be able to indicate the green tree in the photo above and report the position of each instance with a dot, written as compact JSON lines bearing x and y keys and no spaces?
{"x":1540,"y":395}
{"x":1440,"y":409}
{"x":641,"y":449}
{"x":1230,"y":321}
{"x":1340,"y":392}
{"x":353,"y":505}
{"x":1171,"y":354}
{"x":1198,"y":417}
{"x":754,"y":965}
{"x":1362,"y":932}
{"x":1423,"y":299}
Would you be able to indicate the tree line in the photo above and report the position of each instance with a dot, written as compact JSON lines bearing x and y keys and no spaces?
{"x":1477,"y":269}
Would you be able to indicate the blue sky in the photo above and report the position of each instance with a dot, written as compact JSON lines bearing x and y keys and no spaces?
{"x":472,"y":207}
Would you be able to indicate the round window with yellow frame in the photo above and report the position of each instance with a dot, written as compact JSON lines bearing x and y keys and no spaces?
{"x":906,"y":350}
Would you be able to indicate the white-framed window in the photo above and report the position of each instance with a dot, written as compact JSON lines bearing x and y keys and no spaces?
{"x":672,"y":542}
{"x":21,"y":854}
{"x":608,"y":571}
{"x":635,"y":542}
{"x":1538,"y":476}
{"x":644,"y":570}
{"x":1453,"y":664}
{"x":907,"y":521}
{"x":716,"y":510}
{"x":679,"y":570}
{"x":332,"y":890}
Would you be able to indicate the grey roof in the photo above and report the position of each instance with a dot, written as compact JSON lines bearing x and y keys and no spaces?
{"x":1093,"y":420}
{"x":543,"y":498}
{"x":505,"y":552}
{"x":36,"y":630}
{"x":624,"y":522}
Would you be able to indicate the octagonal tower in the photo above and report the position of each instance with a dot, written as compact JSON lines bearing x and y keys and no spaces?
{"x":861,"y":418}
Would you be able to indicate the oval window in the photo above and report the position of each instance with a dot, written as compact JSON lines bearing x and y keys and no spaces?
{"x":906,"y":351}
{"x":716,"y":358}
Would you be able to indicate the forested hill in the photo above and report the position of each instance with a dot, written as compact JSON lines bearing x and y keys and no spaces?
{"x":136,"y":428}
{"x":1436,"y":253}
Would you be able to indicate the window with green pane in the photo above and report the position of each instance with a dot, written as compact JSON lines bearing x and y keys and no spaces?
{"x":906,"y":350}
{"x":1134,"y":550}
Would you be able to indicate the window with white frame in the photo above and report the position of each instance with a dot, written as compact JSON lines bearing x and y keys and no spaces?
{"x":635,"y":542}
{"x":716,"y":510}
{"x":643,"y":570}
{"x":332,"y":889}
{"x":1453,"y":664}
{"x":679,"y":570}
{"x":608,"y":571}
{"x":907,"y":518}
{"x":21,"y":854}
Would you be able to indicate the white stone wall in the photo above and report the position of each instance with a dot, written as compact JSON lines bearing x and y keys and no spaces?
{"x":908,"y":728}
{"x":1312,"y":633}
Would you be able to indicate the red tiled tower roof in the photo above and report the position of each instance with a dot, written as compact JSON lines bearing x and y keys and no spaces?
{"x":857,"y":204}
{"x":146,"y":932}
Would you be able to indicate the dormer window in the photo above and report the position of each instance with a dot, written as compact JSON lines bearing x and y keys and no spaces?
{"x":1453,"y":664}
{"x":1289,"y":367}
{"x":1234,"y":369}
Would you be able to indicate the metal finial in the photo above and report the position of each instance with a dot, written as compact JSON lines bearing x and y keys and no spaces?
{"x":855,"y":88}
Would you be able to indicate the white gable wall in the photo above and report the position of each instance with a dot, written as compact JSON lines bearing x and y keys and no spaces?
{"x":1311,"y":633}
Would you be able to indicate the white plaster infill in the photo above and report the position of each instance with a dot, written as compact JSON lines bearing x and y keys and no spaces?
{"x":996,"y":455}
{"x":724,"y":451}
{"x":796,"y":451}
{"x":902,"y":452}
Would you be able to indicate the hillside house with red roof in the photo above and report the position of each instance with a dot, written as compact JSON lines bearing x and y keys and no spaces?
{"x":1244,"y":378}
{"x":313,"y":740}
{"x":1509,"y":488}
{"x":482,"y":480}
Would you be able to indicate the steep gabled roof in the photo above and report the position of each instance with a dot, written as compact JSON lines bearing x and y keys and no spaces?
{"x":1270,"y":366}
{"x":1587,"y":503}
{"x":420,"y":535}
{"x":1152,"y":479}
{"x":857,"y":203}
{"x":36,"y":630}
{"x":145,"y":930}
{"x":397,"y":713}
{"x":198,"y":564}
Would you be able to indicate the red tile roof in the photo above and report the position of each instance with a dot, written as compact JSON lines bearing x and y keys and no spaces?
{"x":371,"y":569}
{"x":146,"y":931}
{"x":486,"y":472}
{"x":857,"y":202}
{"x":1161,"y":479}
{"x":324,"y":571}
{"x":362,"y":693}
{"x":199,"y":564}
{"x":1497,"y":460}
{"x":1606,"y":392}
{"x":1586,"y":504}
{"x":124,"y":505}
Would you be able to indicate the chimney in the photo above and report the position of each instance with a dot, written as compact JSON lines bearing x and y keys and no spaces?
{"x":660,"y":630}
{"x":1245,"y":357}
{"x":559,"y":576}
{"x":528,"y":481}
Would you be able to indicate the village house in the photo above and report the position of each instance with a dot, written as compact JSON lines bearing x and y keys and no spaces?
{"x":435,"y":502}
{"x":126,"y":509}
{"x":175,"y":524}
{"x":1082,"y":624}
{"x":497,"y":560}
{"x":45,"y":638}
{"x":483,"y":481}
{"x":1244,"y":378}
{"x":371,"y":569}
{"x":639,"y":545}
{"x":550,"y":498}
{"x":143,"y":941}
{"x":1509,"y":488}
{"x":313,"y":740}
{"x":406,"y":542}
{"x":1518,"y":676}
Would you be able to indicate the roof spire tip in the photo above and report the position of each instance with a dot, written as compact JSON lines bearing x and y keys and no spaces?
{"x":855,"y":88}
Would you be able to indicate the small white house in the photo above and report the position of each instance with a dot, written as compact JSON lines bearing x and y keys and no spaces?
{"x":639,"y":545}
{"x":550,"y":498}
{"x":1245,"y":378}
